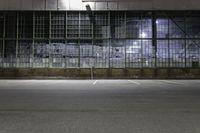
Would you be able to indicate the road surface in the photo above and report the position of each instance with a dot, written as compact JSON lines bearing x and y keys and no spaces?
{"x":99,"y":106}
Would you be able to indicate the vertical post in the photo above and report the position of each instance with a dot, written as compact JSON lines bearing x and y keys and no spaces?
{"x":50,"y":61}
{"x":169,"y":58}
{"x":109,"y":43}
{"x":65,"y":57}
{"x":142,"y":59}
{"x":33,"y":39}
{"x":154,"y":38}
{"x":79,"y":32}
{"x":185,"y":42}
{"x":125,"y":38}
{"x":141,"y":42}
{"x":93,"y":41}
{"x":17,"y":43}
{"x":93,"y":36}
{"x":66,"y":25}
{"x":168,"y":44}
{"x":66,"y":18}
{"x":4,"y":35}
{"x":79,"y":54}
{"x":109,"y":38}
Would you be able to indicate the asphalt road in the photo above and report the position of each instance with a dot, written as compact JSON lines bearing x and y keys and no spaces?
{"x":99,"y":106}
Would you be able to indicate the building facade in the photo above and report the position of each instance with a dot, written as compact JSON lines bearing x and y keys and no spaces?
{"x":100,"y":39}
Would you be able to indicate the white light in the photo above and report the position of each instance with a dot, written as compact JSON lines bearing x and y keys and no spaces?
{"x":134,"y":43}
{"x":157,"y":22}
{"x":143,"y":35}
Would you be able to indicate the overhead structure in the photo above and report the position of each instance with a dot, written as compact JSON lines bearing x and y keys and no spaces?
{"x":100,"y":4}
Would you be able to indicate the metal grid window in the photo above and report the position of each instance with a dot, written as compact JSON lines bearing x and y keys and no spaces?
{"x":57,"y":54}
{"x":1,"y":25}
{"x":192,"y":53}
{"x":1,"y":53}
{"x":101,"y":25}
{"x":117,"y":24}
{"x":58,"y":24}
{"x":146,"y":30}
{"x":148,"y":59}
{"x":72,"y":54}
{"x":177,"y":53}
{"x":10,"y":54}
{"x":11,"y":24}
{"x":117,"y":54}
{"x":193,"y":27}
{"x":101,"y":39}
{"x":41,"y":54}
{"x":86,"y":54}
{"x":176,"y":25}
{"x":138,"y":25}
{"x":73,"y":24}
{"x":25,"y":25}
{"x":86,"y":23}
{"x":41,"y":24}
{"x":101,"y":54}
{"x":162,"y":53}
{"x":24,"y":55}
{"x":133,"y":54}
{"x":162,"y":27}
{"x":133,"y":25}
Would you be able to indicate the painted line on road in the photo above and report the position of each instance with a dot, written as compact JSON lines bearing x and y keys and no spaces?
{"x":95,"y":82}
{"x":172,"y":82}
{"x":134,"y":82}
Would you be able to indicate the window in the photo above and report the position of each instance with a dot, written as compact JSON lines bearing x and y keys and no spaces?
{"x":41,"y":54}
{"x":162,"y":55}
{"x":193,"y":27}
{"x":10,"y":54}
{"x":1,"y":53}
{"x":86,"y":54}
{"x":24,"y":53}
{"x":101,"y":39}
{"x":86,"y":22}
{"x":25,"y":25}
{"x":57,"y":54}
{"x":176,"y":27}
{"x":146,"y":29}
{"x":41,"y":24}
{"x":1,"y":25}
{"x":117,"y":54}
{"x":101,"y":25}
{"x":11,"y":24}
{"x":58,"y":25}
{"x":133,"y":53}
{"x":73,"y":24}
{"x":138,"y":25}
{"x":72,"y":54}
{"x":193,"y":53}
{"x":162,"y":28}
{"x":177,"y":53}
{"x":101,"y":54}
{"x":117,"y":25}
{"x":133,"y":25}
{"x":148,"y":54}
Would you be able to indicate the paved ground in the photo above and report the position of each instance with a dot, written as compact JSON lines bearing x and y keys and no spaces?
{"x":99,"y":106}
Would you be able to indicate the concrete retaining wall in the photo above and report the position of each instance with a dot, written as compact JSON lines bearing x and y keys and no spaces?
{"x":46,"y":73}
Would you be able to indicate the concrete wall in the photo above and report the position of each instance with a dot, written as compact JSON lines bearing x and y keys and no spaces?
{"x":149,"y":73}
{"x":100,"y":4}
